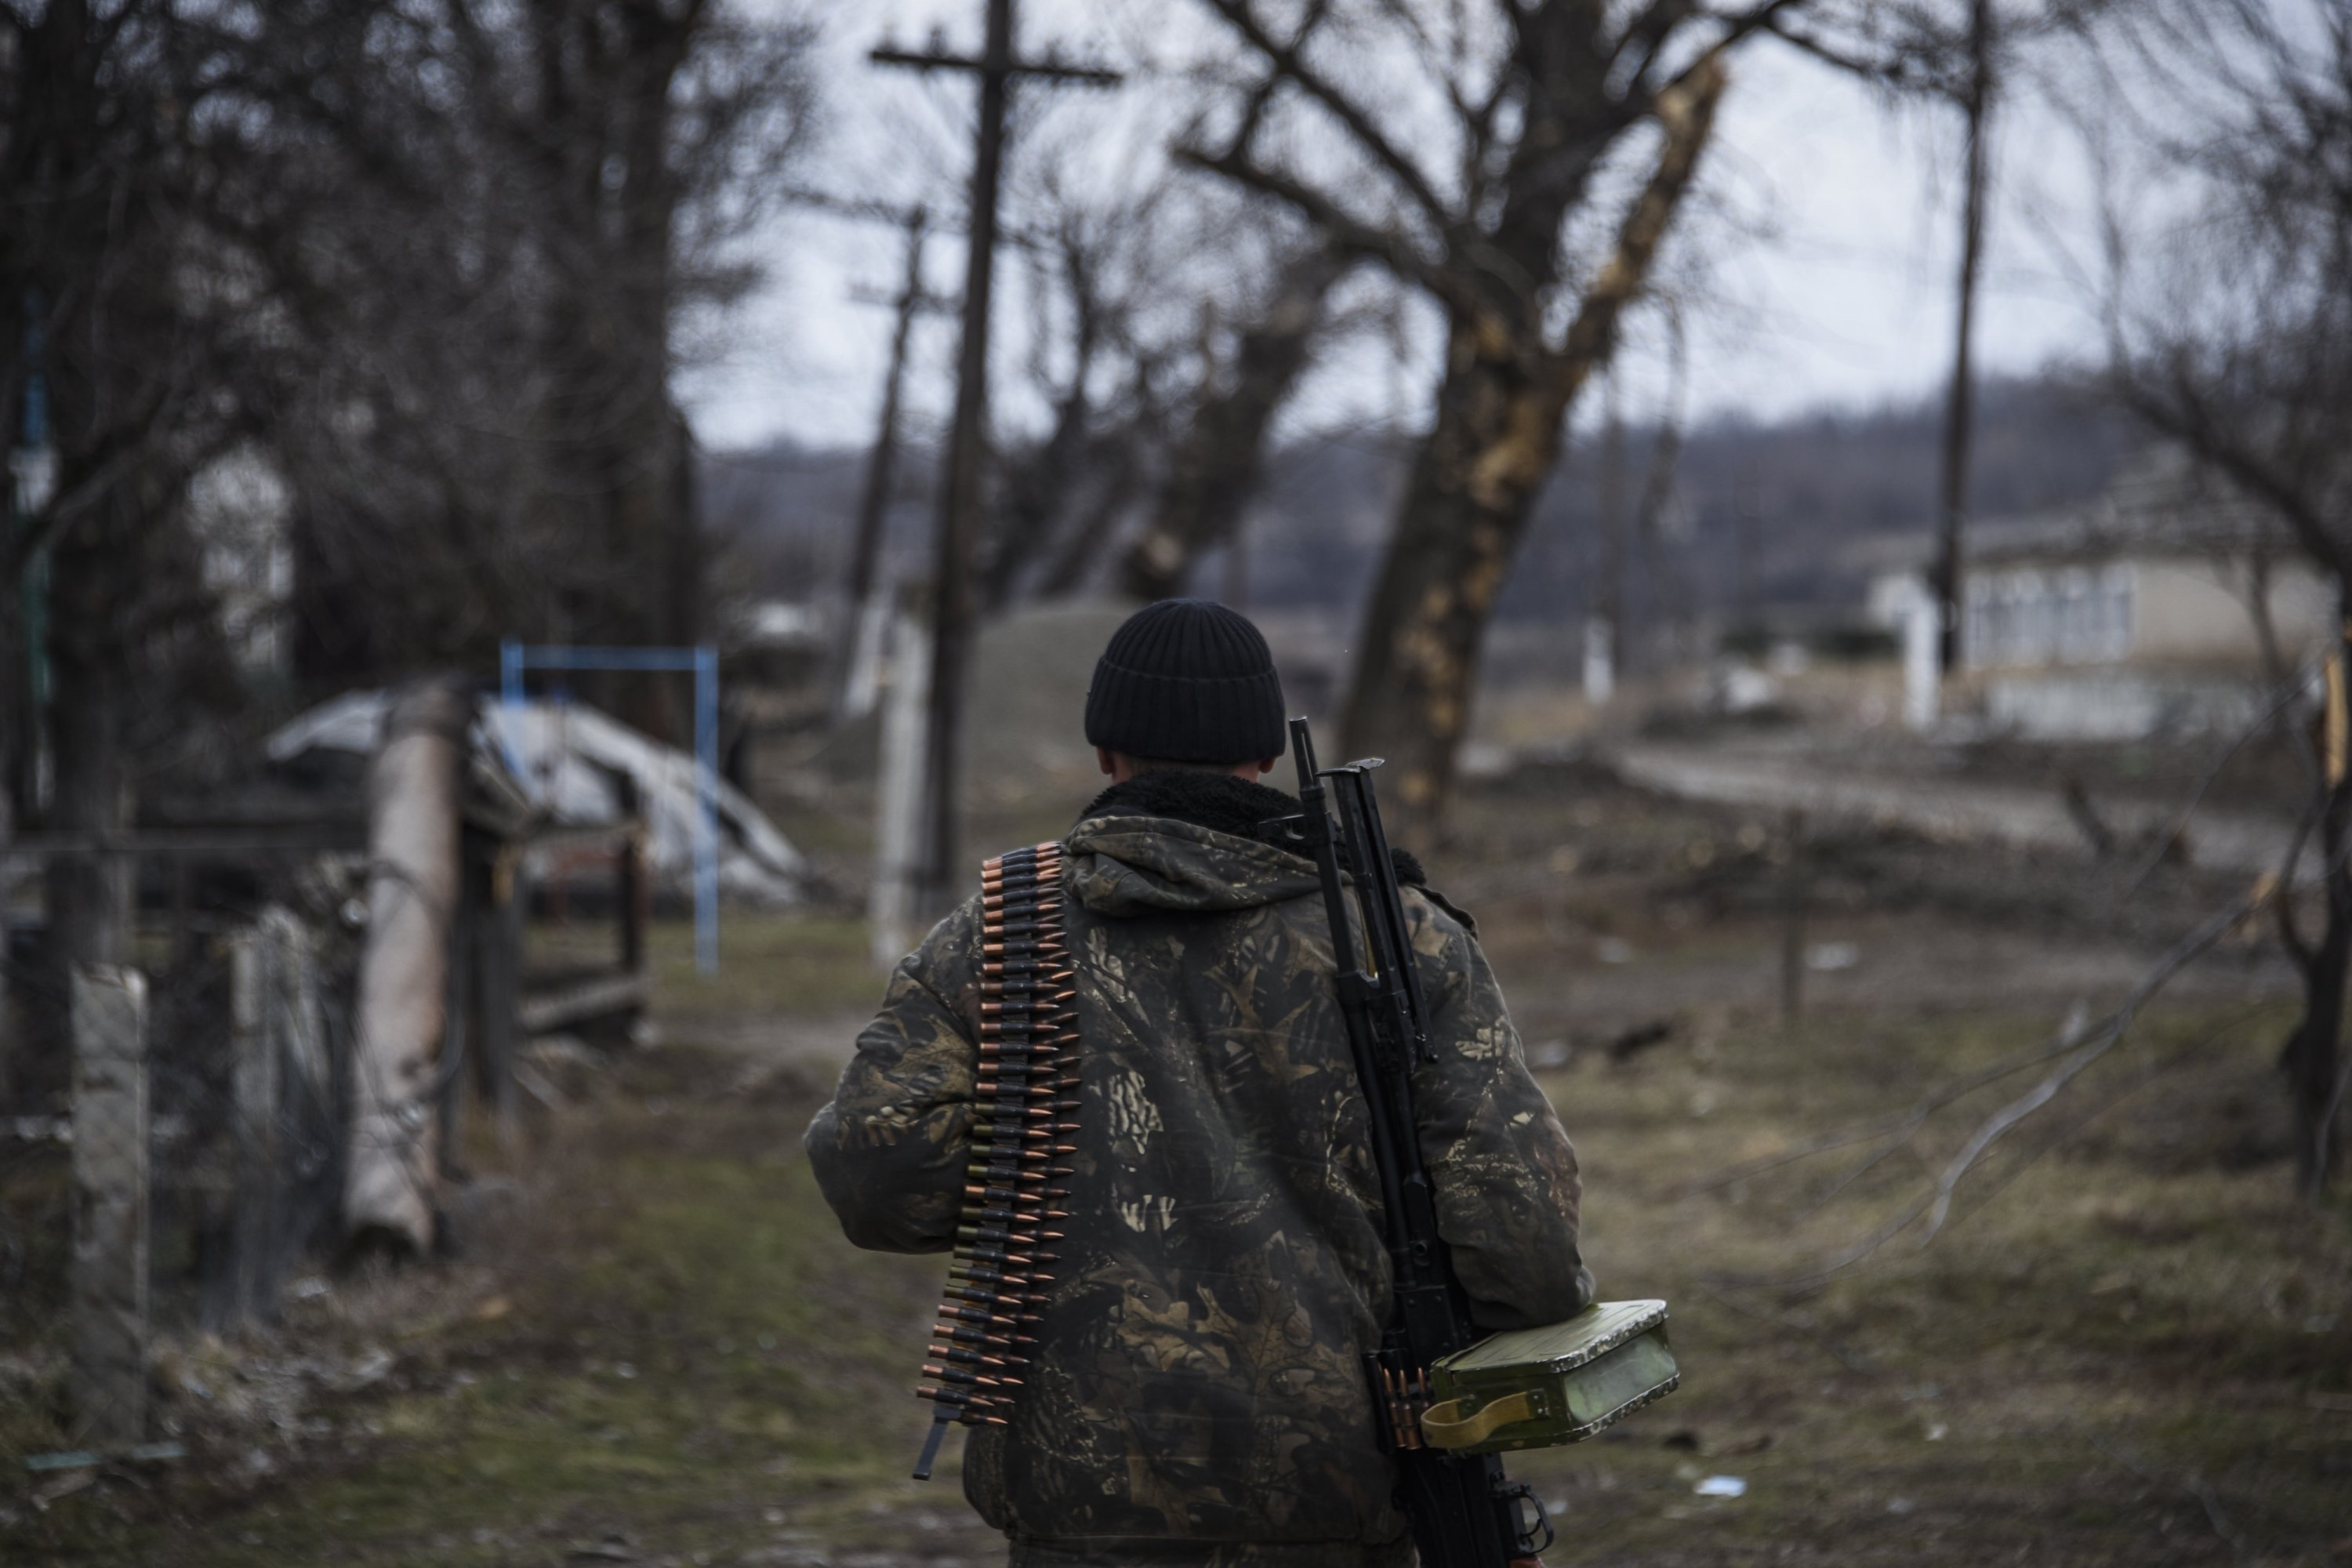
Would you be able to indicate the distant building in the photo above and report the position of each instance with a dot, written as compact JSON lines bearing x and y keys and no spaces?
{"x":241,"y":512}
{"x":2146,"y":610}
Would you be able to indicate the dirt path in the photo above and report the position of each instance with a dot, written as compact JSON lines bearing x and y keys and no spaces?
{"x":1954,"y":811}
{"x":2129,"y":1345}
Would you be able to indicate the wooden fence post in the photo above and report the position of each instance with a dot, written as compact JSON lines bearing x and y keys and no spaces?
{"x":631,"y":890}
{"x":111,"y":1212}
{"x":458,"y":1037}
{"x":1792,"y":930}
{"x":312,"y":1131}
{"x":254,"y":1029}
{"x":306,"y":1093}
{"x":497,"y":978}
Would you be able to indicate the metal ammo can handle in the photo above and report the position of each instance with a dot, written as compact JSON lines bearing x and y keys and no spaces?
{"x":1444,"y":1427}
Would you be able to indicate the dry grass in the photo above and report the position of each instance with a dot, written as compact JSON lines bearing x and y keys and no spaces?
{"x":2128,"y":1347}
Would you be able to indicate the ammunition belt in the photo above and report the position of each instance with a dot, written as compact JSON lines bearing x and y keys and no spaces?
{"x":1027,"y":1096}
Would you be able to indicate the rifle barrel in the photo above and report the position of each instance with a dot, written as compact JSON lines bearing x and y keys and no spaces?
{"x":1465,"y":1513}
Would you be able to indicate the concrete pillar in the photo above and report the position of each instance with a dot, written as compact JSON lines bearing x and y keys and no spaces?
{"x":899,"y":800}
{"x":1600,"y":660}
{"x":862,"y":688}
{"x":255,"y":1025}
{"x":1922,"y":673}
{"x":110,"y":1213}
{"x":391,"y":1188}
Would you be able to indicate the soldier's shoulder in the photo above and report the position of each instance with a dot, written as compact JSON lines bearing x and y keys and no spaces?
{"x":1444,"y":911}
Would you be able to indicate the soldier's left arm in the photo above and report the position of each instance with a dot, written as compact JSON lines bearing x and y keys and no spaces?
{"x":891,"y":1152}
{"x":1507,"y":1188}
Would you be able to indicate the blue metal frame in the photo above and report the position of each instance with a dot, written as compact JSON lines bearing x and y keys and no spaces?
{"x":702,"y":663}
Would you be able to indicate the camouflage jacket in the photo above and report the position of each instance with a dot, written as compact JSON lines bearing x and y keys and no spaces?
{"x":1199,"y":1375}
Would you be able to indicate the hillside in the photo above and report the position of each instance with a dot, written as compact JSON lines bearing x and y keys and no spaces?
{"x":1764,"y":516}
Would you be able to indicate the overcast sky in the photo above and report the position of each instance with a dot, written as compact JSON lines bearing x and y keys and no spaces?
{"x":1831,"y":249}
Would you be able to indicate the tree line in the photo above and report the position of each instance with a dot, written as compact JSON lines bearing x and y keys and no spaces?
{"x":418,"y":265}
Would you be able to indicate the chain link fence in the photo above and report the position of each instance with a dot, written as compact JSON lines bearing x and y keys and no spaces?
{"x":172,"y":1146}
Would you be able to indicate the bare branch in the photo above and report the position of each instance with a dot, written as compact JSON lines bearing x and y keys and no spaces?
{"x":1897,"y":70}
{"x":1686,"y":113}
{"x":1287,"y":62}
{"x":1647,"y":34}
{"x":110,"y":463}
{"x":1894,"y":1129}
{"x":2282,"y":891}
{"x":1395,"y":251}
{"x":2182,"y":409}
{"x":2074,"y":1053}
{"x":2289,"y":691}
{"x":1405,"y":16}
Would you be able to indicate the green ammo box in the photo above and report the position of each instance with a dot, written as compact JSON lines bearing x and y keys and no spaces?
{"x":1538,"y":1388}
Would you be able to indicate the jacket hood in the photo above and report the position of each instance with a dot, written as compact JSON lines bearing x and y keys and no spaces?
{"x":1183,"y":842}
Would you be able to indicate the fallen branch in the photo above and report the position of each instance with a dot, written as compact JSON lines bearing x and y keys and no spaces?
{"x":2290,"y":691}
{"x":1935,"y":1204}
{"x":2068,"y":1038}
{"x":2145,"y":1077}
{"x":1898,"y":1127}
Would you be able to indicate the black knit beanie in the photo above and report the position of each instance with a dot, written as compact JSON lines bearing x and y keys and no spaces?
{"x":1186,"y":680}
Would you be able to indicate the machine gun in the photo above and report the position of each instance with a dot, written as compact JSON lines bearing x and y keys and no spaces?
{"x":1447,"y":1396}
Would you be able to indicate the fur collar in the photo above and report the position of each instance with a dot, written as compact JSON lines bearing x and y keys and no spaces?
{"x":1222,"y":804}
{"x":1218,"y":802}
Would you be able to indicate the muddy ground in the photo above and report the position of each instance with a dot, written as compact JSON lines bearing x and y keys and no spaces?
{"x":2126,"y":1345}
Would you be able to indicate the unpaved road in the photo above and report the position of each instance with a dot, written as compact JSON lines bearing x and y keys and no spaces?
{"x":1951,"y":810}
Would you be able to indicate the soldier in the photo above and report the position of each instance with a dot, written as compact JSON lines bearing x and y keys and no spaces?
{"x":1197,"y":1392}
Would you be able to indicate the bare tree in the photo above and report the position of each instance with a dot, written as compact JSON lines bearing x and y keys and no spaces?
{"x":1081,"y":268}
{"x":485,"y":226}
{"x":1573,"y":133}
{"x":1172,"y":321}
{"x":1213,"y":468}
{"x":2231,"y":334}
{"x":126,"y":327}
{"x":331,"y":240}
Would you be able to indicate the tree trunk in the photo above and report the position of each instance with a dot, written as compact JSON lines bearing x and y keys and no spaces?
{"x":617,"y":458}
{"x":88,"y":895}
{"x":1465,"y":508}
{"x":2314,"y":1051}
{"x":1213,"y":473}
{"x":1073,"y":561}
{"x":1458,"y":522}
{"x":2311,"y":1061}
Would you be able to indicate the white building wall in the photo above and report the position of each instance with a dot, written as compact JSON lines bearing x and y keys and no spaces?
{"x":2156,"y":611}
{"x":2200,"y":613}
{"x":2036,"y":615}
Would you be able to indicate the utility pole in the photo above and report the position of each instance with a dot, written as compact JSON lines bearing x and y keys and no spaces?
{"x":958,"y":515}
{"x":861,"y":614}
{"x":1959,"y":413}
